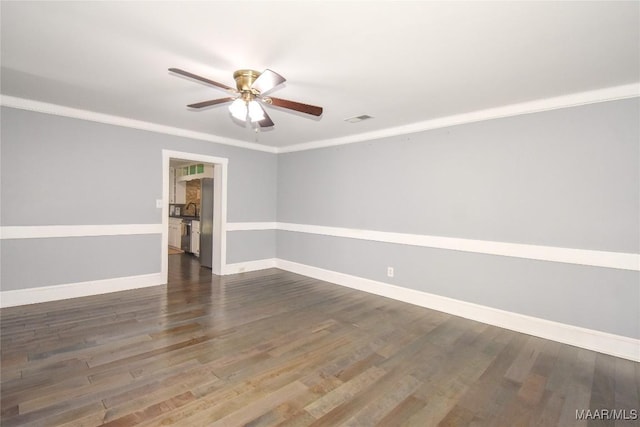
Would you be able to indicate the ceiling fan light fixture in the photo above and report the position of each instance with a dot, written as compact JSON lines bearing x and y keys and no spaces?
{"x":238,"y":109}
{"x":256,"y":113}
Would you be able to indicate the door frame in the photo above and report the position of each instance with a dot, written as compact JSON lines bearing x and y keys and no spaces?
{"x":220,"y":165}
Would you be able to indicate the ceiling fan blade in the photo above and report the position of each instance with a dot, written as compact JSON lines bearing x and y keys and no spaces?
{"x":201,"y":79}
{"x":266,"y":122}
{"x":297,"y":106}
{"x":209,"y":103}
{"x":267,"y":81}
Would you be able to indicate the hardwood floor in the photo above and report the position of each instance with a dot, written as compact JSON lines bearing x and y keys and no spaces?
{"x":275,"y":348}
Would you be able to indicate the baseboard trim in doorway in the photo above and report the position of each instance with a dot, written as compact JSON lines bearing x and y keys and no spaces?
{"x":602,"y":342}
{"x":175,"y":251}
{"x":75,"y":290}
{"x":244,"y":267}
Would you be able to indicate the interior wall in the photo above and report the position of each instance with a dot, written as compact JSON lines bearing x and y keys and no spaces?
{"x":567,"y":178}
{"x":63,"y":171}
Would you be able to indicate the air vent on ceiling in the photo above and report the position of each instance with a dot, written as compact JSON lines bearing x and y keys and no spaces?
{"x":357,"y":119}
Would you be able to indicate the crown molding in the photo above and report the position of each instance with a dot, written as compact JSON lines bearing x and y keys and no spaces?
{"x":566,"y":101}
{"x":537,"y":106}
{"x":59,"y":110}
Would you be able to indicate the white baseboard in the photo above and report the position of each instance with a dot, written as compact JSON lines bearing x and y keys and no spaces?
{"x":243,"y":267}
{"x":75,"y":290}
{"x":615,"y":345}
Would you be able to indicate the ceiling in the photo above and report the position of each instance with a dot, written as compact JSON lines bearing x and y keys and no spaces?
{"x":400,"y":62}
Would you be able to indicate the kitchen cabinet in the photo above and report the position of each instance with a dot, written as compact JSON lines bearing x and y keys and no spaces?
{"x":195,"y":238}
{"x":180,"y":192}
{"x":195,"y":171}
{"x":172,"y":185}
{"x":177,"y":188}
{"x":175,"y":232}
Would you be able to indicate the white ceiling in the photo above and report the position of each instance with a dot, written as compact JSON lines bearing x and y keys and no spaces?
{"x":400,"y":62}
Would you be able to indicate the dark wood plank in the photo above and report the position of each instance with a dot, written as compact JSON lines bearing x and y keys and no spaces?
{"x":275,"y":348}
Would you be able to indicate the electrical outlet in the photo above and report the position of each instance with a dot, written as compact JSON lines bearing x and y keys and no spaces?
{"x":389,"y":271}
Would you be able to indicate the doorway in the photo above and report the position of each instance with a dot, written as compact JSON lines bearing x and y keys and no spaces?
{"x":217,"y":230}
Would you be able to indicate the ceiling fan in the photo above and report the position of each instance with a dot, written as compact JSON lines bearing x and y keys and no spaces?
{"x":249,"y":94}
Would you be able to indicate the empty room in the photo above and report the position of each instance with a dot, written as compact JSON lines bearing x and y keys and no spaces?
{"x":320,"y":213}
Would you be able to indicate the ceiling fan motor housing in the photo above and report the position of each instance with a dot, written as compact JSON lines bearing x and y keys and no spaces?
{"x":244,"y":79}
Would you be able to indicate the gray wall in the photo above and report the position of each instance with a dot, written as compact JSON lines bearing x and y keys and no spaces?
{"x":250,"y":245}
{"x":31,"y":263}
{"x":567,"y":178}
{"x":590,"y":297}
{"x":63,"y":171}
